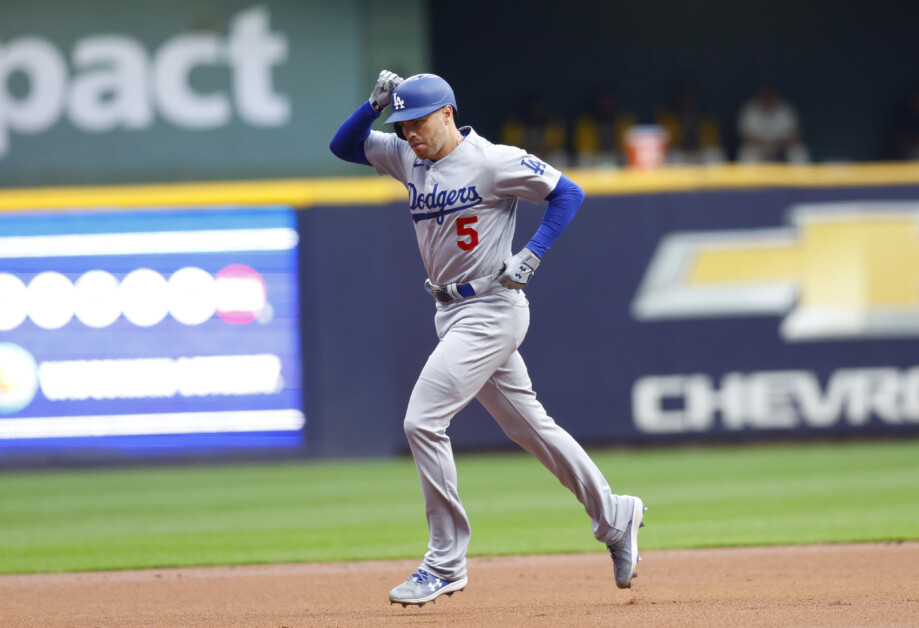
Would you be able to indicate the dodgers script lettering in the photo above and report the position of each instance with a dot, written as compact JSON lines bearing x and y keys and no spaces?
{"x":442,"y":199}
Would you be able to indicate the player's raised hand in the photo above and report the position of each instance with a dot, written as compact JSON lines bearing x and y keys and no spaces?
{"x":382,"y":91}
{"x":517,"y":269}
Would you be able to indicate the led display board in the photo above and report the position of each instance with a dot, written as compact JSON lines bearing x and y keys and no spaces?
{"x":149,"y":332}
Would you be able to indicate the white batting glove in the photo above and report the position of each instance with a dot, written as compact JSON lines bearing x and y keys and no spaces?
{"x":382,"y":91}
{"x":517,"y":269}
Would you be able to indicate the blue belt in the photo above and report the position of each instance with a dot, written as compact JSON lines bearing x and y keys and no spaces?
{"x":442,"y":296}
{"x":448,"y":294}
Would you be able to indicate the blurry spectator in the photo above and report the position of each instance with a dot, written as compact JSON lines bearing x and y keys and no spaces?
{"x":905,"y":126}
{"x":769,"y":129}
{"x":537,"y":130}
{"x":600,"y":130}
{"x":693,"y":133}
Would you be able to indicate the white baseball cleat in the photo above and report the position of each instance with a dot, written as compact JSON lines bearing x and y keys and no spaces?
{"x":422,"y":587}
{"x":625,"y":551}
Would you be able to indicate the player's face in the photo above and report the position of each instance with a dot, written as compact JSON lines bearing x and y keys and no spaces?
{"x":430,"y":137}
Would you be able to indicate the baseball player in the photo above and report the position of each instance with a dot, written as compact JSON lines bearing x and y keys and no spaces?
{"x":462,"y":195}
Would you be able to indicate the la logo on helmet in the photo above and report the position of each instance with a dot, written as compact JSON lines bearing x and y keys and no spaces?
{"x":398,"y":103}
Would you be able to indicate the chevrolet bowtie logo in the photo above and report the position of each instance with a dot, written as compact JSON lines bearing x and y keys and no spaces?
{"x":844,"y":270}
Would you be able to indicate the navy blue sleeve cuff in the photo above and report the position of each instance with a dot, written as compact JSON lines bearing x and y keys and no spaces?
{"x":564,"y":202}
{"x":348,"y":143}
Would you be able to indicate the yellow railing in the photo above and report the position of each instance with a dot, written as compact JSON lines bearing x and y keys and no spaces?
{"x":371,"y":190}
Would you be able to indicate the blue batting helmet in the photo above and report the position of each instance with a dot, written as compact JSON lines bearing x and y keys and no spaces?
{"x":419,"y":95}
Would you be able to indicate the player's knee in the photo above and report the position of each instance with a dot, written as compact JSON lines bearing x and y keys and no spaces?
{"x":413,"y":427}
{"x":514,"y":433}
{"x":523,"y":434}
{"x":419,"y":428}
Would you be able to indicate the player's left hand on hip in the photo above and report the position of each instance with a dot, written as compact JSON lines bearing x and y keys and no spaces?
{"x":517,"y":269}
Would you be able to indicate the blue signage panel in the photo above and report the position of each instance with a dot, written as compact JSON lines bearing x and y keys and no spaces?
{"x":825,"y":305}
{"x":149,"y":332}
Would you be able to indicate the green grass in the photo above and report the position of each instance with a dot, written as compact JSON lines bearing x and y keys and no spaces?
{"x":320,"y":511}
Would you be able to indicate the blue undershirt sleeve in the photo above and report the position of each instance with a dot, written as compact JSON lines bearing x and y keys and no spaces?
{"x":348,"y":143}
{"x":564,"y":202}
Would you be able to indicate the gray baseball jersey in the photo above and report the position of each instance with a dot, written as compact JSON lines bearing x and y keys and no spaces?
{"x":464,"y":205}
{"x":464,"y":208}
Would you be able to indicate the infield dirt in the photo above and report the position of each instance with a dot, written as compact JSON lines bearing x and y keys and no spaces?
{"x":827,"y":585}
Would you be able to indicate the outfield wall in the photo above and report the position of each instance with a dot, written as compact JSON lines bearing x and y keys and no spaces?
{"x":699,"y":305}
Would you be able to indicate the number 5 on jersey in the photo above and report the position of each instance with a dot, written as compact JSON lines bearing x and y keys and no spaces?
{"x":463,"y":230}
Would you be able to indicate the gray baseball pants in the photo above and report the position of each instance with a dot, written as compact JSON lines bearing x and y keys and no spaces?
{"x":477,"y":357}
